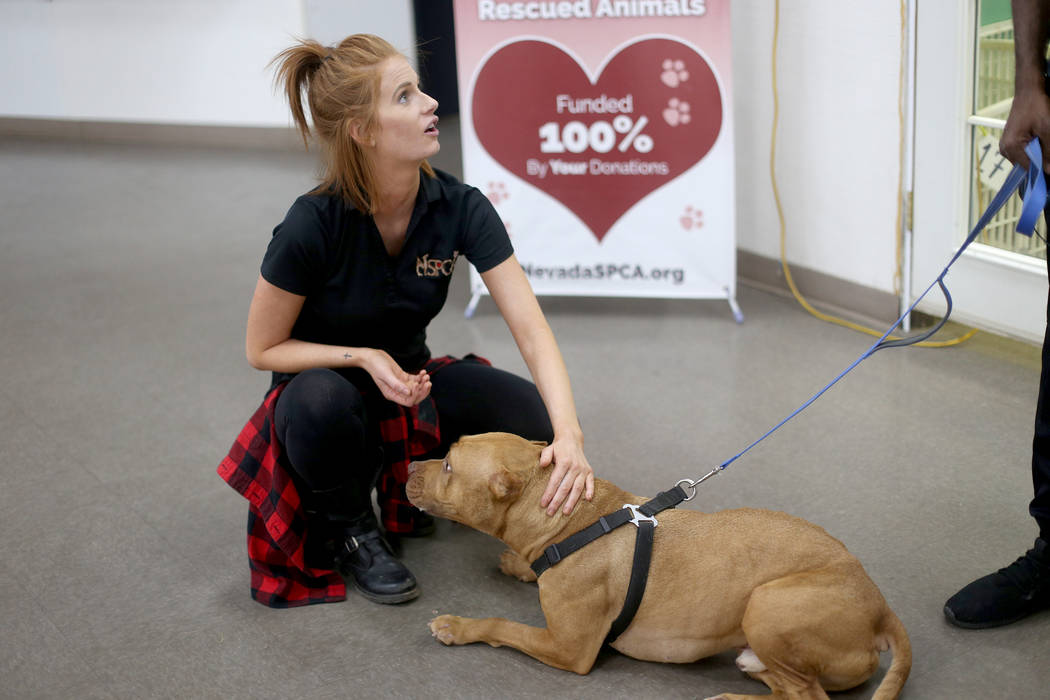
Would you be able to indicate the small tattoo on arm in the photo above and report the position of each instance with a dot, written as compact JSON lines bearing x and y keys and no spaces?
{"x":347,"y":356}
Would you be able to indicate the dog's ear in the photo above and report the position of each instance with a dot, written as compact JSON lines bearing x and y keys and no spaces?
{"x":539,"y":443}
{"x":504,"y":484}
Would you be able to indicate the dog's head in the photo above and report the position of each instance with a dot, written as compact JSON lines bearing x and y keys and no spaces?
{"x":477,"y":481}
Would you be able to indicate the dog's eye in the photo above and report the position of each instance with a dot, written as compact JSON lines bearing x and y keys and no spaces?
{"x":446,"y":467}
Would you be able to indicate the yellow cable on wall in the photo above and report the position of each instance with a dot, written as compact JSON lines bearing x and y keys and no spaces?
{"x":780,"y":211}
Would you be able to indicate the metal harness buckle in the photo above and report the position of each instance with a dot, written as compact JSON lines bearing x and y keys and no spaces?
{"x":637,"y":516}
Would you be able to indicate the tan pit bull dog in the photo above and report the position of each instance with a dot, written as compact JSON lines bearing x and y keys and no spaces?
{"x":798,"y":604}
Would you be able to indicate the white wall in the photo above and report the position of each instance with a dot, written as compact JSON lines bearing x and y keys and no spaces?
{"x":838,"y":139}
{"x":329,"y":21}
{"x":168,"y":61}
{"x":203,"y":62}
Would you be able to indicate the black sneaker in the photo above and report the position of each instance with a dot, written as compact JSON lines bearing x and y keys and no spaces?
{"x":366,"y":559}
{"x":1005,"y":596}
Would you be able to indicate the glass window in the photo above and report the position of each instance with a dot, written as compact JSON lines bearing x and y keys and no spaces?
{"x":992,"y":96}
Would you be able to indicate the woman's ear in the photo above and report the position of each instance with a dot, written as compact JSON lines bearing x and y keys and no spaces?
{"x":360,"y":134}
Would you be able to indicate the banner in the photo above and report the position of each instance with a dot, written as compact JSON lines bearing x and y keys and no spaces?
{"x":601,"y":131}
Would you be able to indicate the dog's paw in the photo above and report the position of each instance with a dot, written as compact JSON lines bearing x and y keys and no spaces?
{"x":511,"y":563}
{"x":445,"y":628}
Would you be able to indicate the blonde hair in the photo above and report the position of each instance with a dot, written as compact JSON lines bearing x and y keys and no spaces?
{"x":341,"y":85}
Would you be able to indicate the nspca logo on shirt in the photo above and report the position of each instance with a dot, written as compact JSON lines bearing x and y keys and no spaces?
{"x":427,"y":266}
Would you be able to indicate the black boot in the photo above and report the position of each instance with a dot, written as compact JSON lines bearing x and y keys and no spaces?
{"x":366,"y":558}
{"x":343,"y":535}
{"x":325,"y":528}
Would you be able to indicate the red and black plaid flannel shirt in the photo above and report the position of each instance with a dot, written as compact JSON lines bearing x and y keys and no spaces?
{"x":276,"y":521}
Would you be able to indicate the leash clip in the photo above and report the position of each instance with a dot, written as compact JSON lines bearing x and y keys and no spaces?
{"x":638,"y":517}
{"x":691,"y":484}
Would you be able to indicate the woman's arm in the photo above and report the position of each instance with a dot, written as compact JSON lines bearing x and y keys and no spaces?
{"x":571,"y":475}
{"x":269,"y":346}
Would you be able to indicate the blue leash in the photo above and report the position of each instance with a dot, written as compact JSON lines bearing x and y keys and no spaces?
{"x":1033,"y":204}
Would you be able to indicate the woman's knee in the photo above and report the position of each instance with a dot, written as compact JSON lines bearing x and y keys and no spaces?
{"x":474,"y":398}
{"x":322,"y":428}
{"x":319,"y":400}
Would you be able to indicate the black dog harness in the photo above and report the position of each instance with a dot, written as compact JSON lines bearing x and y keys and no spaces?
{"x":643,"y":520}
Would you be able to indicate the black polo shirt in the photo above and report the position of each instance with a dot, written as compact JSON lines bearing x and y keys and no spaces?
{"x":356,"y":294}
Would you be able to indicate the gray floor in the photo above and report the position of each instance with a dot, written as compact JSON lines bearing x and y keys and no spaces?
{"x":125,"y":274}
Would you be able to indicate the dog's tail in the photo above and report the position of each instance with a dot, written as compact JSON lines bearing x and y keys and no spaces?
{"x":894,"y":637}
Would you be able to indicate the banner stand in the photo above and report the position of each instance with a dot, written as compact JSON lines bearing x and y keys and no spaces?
{"x":602,"y":133}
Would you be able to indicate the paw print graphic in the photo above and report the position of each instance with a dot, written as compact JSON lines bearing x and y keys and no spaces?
{"x":677,"y":112}
{"x":691,"y":218}
{"x":674,"y":73}
{"x":497,"y":192}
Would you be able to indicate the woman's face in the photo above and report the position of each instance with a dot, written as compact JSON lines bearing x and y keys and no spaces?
{"x":406,"y":116}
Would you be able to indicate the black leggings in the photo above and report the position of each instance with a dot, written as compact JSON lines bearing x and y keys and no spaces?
{"x":325,"y":428}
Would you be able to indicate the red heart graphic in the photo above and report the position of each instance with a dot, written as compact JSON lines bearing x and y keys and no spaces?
{"x":531,"y":98}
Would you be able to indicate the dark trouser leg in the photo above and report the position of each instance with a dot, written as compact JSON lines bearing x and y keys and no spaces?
{"x":1022,"y":588}
{"x":1040,"y":506}
{"x":473,"y":398}
{"x":322,"y":426}
{"x":323,"y":429}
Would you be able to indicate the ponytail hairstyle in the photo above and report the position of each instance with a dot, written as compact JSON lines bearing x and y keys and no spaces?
{"x":341,"y":86}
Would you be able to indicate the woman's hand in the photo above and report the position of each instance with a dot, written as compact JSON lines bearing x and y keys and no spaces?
{"x":396,"y":384}
{"x":571,"y":475}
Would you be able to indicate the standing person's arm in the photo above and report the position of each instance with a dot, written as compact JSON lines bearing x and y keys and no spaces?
{"x":1030,"y":113}
{"x":571,"y":475}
